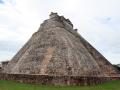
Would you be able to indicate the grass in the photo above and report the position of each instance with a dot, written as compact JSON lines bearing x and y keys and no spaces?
{"x":10,"y":85}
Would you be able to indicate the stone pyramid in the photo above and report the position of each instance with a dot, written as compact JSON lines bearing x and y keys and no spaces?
{"x":57,"y":49}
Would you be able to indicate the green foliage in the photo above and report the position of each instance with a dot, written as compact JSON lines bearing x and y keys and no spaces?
{"x":116,"y":66}
{"x":10,"y":85}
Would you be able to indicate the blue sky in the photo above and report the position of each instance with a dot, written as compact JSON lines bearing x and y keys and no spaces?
{"x":1,"y":1}
{"x":98,"y":21}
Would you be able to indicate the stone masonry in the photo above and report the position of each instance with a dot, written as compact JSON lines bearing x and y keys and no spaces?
{"x":57,"y":49}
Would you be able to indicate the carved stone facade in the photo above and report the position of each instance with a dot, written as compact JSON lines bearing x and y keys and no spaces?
{"x":56,"y":80}
{"x":57,"y":49}
{"x":4,"y":64}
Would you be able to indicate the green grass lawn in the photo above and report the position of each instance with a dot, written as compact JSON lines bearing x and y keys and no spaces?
{"x":10,"y":85}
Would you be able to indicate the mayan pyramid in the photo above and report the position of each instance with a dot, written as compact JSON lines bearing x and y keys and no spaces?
{"x":57,"y":49}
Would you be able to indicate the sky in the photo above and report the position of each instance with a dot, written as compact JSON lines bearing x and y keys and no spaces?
{"x":98,"y":21}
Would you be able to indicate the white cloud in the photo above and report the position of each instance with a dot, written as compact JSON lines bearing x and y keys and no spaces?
{"x":97,"y":20}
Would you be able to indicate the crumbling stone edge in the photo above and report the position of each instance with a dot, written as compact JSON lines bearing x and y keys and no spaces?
{"x":56,"y":80}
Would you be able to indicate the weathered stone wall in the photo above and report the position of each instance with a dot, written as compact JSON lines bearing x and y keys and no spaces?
{"x":102,"y":62}
{"x":57,"y":49}
{"x":56,"y":80}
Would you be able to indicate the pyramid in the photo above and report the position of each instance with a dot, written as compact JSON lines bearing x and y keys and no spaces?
{"x":57,"y":49}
